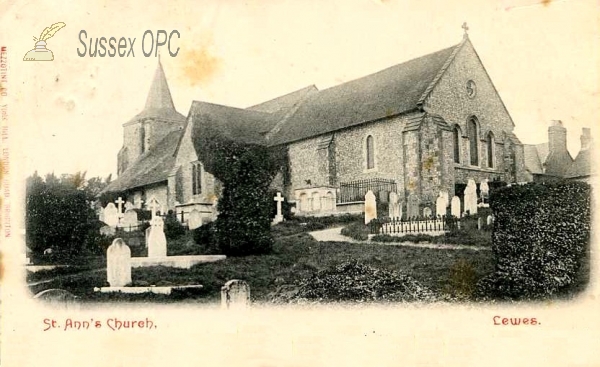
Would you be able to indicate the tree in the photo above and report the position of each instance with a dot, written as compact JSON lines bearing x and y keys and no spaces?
{"x":246,"y":170}
{"x":60,"y":216}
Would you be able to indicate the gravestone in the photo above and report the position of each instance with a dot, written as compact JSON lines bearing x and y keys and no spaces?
{"x":130,"y":220}
{"x":455,"y":207}
{"x":153,"y":206}
{"x":58,"y":298}
{"x":441,"y":203}
{"x":279,"y":215}
{"x":412,"y":207}
{"x":128,"y":206}
{"x":235,"y":294}
{"x":157,"y":241}
{"x":446,"y":197}
{"x":120,"y":203}
{"x":471,"y":198}
{"x":118,"y":264}
{"x":427,"y":212}
{"x":490,"y":220}
{"x":484,"y":190}
{"x":370,"y":207}
{"x":111,"y":215}
{"x":108,"y":231}
{"x":194,"y":219}
{"x":147,"y":234}
{"x":395,"y":210}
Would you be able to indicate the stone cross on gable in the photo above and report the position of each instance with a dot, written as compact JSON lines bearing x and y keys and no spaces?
{"x":153,"y":205}
{"x":279,"y":200}
{"x":465,"y":27}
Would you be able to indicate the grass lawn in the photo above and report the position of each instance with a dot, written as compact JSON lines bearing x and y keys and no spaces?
{"x":296,"y":255}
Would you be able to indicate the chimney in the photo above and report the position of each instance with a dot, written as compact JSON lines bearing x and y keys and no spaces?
{"x":557,"y":137}
{"x":586,"y":138}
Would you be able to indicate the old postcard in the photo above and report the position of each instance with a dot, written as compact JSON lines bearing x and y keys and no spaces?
{"x":299,"y":183}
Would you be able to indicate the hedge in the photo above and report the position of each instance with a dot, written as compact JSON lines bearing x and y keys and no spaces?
{"x":540,"y":240}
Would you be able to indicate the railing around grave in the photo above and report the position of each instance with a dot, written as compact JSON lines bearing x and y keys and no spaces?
{"x":356,"y":190}
{"x":414,"y":225}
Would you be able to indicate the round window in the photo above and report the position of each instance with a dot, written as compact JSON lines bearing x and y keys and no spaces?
{"x":471,"y":89}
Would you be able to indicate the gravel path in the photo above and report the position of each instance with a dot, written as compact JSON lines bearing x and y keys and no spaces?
{"x":334,"y":235}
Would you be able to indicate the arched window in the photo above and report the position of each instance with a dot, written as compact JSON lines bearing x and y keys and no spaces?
{"x":457,"y":135}
{"x":143,"y":138}
{"x":473,"y":143}
{"x":490,"y":150}
{"x":370,"y":152}
{"x":196,"y":178}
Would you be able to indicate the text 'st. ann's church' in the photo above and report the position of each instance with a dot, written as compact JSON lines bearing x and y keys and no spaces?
{"x":424,"y":126}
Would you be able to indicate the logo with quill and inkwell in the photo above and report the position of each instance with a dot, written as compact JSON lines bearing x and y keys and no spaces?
{"x":40,"y":52}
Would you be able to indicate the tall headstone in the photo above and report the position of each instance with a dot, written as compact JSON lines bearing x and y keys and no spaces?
{"x":235,"y":294}
{"x":394,"y":206}
{"x":111,"y":215}
{"x":153,"y":205}
{"x":412,"y":206}
{"x":484,"y":190}
{"x":157,"y":241}
{"x":279,"y":216}
{"x":441,"y":203}
{"x":194,"y":219}
{"x":490,"y":220}
{"x":118,"y":264}
{"x":471,"y":197}
{"x":370,"y":207}
{"x":446,"y":197}
{"x":147,"y":235}
{"x":455,"y":207}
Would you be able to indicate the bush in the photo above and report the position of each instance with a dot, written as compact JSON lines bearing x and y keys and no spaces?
{"x":540,"y":240}
{"x":356,"y":231}
{"x":353,"y":281}
{"x":59,"y":216}
{"x":173,"y":228}
{"x":205,"y":237}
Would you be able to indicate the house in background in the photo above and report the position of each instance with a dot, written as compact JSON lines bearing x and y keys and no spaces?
{"x":552,"y":161}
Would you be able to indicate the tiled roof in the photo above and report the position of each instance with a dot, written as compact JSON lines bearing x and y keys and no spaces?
{"x":582,"y":165}
{"x":151,"y":167}
{"x":237,"y":124}
{"x":390,"y":92}
{"x":285,"y":102}
{"x":533,"y":163}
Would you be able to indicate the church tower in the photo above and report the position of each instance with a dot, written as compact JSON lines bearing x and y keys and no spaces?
{"x":147,"y":128}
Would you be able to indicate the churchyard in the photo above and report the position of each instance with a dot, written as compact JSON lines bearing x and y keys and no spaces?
{"x":380,"y":255}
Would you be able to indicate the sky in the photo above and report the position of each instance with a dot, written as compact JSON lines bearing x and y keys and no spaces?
{"x":66,"y":115}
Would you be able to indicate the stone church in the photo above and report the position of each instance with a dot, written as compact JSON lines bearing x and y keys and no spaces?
{"x":424,"y":126}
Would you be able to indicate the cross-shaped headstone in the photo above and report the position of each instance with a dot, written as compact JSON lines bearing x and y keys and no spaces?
{"x":279,"y":200}
{"x":120,"y":203}
{"x":153,"y":205}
